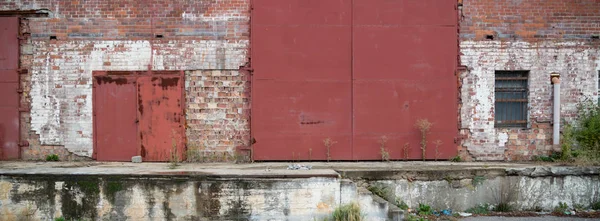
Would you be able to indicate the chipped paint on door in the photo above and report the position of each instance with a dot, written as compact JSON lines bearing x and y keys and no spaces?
{"x":115,"y":118}
{"x":161,"y":117}
{"x":138,"y":113}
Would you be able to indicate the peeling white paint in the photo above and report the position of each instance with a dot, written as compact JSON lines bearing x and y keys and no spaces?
{"x":61,"y":88}
{"x":576,"y":61}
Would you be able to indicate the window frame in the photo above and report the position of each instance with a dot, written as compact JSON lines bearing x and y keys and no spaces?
{"x":516,"y":108}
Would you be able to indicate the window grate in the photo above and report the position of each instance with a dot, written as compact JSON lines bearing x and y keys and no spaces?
{"x":511,"y":89}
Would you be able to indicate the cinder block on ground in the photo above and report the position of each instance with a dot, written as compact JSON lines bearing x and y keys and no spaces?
{"x":136,"y":159}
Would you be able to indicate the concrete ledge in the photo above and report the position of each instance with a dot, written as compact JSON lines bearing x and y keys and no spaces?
{"x":541,"y":171}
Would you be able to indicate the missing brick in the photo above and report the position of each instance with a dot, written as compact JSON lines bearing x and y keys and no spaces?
{"x":52,"y":37}
{"x":489,"y":37}
{"x":595,"y":37}
{"x":159,"y":36}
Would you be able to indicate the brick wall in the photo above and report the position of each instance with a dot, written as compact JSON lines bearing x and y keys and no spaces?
{"x":539,"y":36}
{"x":120,"y":35}
{"x":529,"y":19}
{"x":217,"y":113}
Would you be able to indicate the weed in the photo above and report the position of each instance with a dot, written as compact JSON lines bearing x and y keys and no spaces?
{"x":503,"y":207}
{"x":595,"y":205}
{"x":437,"y":144}
{"x":424,"y":126}
{"x":479,"y":209}
{"x":579,"y":207}
{"x":567,"y":143}
{"x":456,"y":159}
{"x":505,"y":196}
{"x":379,"y":190}
{"x":405,"y":149}
{"x":583,"y":141}
{"x":195,"y":153}
{"x":477,"y":180}
{"x":385,"y":156}
{"x":328,"y":143}
{"x":561,"y":208}
{"x":424,"y":210}
{"x":52,"y":157}
{"x":555,"y":156}
{"x":348,"y":212}
{"x":401,"y":204}
{"x":412,"y":217}
{"x":448,"y":179}
{"x":60,"y":219}
{"x":174,"y":156}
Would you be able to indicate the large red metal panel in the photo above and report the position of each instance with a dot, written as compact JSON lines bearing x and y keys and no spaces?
{"x":301,"y":40}
{"x":9,"y":43}
{"x":9,"y":83}
{"x":402,"y":13}
{"x":115,"y":120}
{"x":404,"y":65}
{"x":294,"y":118}
{"x":388,"y":62}
{"x":9,"y":129}
{"x":160,"y":110}
{"x":301,"y":56}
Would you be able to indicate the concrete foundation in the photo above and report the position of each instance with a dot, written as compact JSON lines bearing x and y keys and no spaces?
{"x":269,"y":192}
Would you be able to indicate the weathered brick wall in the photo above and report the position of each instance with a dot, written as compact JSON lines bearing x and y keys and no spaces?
{"x":539,"y":36}
{"x":119,"y":35}
{"x":529,"y":19}
{"x":218,"y":113}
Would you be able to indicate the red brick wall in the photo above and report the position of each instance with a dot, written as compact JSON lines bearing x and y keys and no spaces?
{"x":127,"y":19}
{"x":122,"y":35}
{"x":530,"y":19}
{"x":541,"y":36}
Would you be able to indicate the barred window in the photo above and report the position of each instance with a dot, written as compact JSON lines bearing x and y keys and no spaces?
{"x":512,"y":92}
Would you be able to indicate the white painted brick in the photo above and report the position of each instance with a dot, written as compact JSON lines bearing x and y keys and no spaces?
{"x":58,"y":114}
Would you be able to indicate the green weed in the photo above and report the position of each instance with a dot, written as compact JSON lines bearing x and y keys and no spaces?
{"x":480,"y":209}
{"x":424,"y":210}
{"x":52,"y":157}
{"x":348,"y":212}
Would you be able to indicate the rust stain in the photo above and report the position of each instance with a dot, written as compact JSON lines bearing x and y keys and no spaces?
{"x":165,"y":83}
{"x":140,"y":103}
{"x":143,"y":151}
{"x":312,"y":122}
{"x":109,"y":80}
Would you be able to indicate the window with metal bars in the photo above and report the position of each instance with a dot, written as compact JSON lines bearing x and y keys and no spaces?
{"x":512,"y":93}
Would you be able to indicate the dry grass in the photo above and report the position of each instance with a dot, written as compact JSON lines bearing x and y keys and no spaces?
{"x":424,"y":126}
{"x":328,"y":142}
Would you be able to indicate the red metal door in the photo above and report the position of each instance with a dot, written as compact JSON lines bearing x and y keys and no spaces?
{"x":115,"y":118}
{"x":160,"y":102}
{"x":301,"y":84}
{"x":352,"y":71}
{"x":404,"y":64}
{"x":9,"y":84}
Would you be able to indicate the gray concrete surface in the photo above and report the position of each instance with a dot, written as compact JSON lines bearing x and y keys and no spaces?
{"x":540,"y":218}
{"x":92,"y":167}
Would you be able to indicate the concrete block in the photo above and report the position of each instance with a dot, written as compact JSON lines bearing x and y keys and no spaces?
{"x":136,"y":159}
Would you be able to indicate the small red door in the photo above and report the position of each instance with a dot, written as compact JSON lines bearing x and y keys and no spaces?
{"x":9,"y":84}
{"x":161,"y":117}
{"x":115,"y":118}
